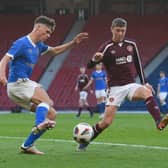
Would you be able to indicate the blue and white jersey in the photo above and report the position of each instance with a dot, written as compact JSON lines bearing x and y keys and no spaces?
{"x":163,"y":83}
{"x":24,"y":54}
{"x":100,"y":79}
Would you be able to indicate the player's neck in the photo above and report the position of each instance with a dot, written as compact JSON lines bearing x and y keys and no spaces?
{"x":117,"y":40}
{"x":33,"y":37}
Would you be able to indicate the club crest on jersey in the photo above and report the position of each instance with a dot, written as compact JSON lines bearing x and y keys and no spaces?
{"x":130,"y":48}
{"x":113,"y":51}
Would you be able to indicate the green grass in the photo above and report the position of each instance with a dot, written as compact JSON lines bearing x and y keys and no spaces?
{"x":137,"y":129}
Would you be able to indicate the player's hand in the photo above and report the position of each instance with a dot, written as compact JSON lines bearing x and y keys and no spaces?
{"x":97,"y":56}
{"x":3,"y":80}
{"x":80,"y":37}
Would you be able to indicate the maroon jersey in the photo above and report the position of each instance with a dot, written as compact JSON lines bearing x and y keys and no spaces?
{"x":82,"y":81}
{"x":121,"y":61}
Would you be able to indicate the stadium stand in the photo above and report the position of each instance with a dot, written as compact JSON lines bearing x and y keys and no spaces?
{"x":142,"y":28}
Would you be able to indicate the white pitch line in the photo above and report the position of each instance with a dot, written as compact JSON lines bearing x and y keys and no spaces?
{"x":96,"y":143}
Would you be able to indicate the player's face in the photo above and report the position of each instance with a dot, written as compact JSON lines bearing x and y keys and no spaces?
{"x":118,"y":33}
{"x":82,"y":70}
{"x":99,"y":67}
{"x":44,"y":31}
{"x":162,"y":74}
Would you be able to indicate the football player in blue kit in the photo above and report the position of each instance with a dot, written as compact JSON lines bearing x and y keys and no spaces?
{"x":162,"y":90}
{"x":22,"y":57}
{"x":100,"y":78}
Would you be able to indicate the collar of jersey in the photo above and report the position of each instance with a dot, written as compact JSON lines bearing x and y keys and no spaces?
{"x":33,"y":44}
{"x":99,"y":71}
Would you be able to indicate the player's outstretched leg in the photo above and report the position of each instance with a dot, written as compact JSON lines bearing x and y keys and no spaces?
{"x":97,"y":130}
{"x":153,"y":108}
{"x":41,"y":125}
{"x":163,"y":122}
{"x":101,"y":126}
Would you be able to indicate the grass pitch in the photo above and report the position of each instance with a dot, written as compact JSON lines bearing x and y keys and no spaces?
{"x":131,"y":141}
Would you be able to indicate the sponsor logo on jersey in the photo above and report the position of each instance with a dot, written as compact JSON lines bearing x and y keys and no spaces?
{"x":129,"y":58}
{"x":124,"y":59}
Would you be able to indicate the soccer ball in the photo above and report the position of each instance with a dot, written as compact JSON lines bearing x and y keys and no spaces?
{"x":82,"y":133}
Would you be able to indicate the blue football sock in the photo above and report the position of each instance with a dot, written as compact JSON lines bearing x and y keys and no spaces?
{"x":41,"y":112}
{"x":32,"y":138}
{"x":102,"y":107}
{"x":98,"y":107}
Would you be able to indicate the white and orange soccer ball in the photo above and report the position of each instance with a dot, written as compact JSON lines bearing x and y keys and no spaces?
{"x":82,"y":133}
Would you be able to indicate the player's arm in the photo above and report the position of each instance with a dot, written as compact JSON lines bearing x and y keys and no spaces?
{"x":140,"y":71}
{"x":54,"y":51}
{"x":138,"y":65}
{"x":3,"y":66}
{"x":88,"y":84}
{"x":77,"y":84}
{"x":97,"y":58}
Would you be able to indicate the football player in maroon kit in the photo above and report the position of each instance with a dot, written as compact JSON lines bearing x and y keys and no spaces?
{"x":121,"y":60}
{"x":82,"y":81}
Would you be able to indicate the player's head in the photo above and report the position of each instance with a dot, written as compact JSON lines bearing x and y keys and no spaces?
{"x":118,"y":29}
{"x":162,"y":74}
{"x":44,"y":27}
{"x":99,"y":66}
{"x":82,"y":69}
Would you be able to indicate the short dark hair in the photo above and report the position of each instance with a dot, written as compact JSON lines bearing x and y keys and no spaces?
{"x":161,"y":71}
{"x":46,"y":21}
{"x":119,"y":22}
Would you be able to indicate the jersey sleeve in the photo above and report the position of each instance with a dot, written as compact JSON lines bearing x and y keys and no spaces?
{"x":105,"y":75}
{"x":102,"y":47}
{"x":138,"y":65}
{"x":15,"y":50}
{"x":92,"y":76}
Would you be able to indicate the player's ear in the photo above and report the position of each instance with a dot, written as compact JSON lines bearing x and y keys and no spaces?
{"x":37,"y":26}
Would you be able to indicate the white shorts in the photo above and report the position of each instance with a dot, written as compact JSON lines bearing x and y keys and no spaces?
{"x":83,"y":95}
{"x":21,"y":92}
{"x":162,"y":95}
{"x":100,"y":93}
{"x":117,"y":94}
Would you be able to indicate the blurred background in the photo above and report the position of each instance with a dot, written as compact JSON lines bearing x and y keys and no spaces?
{"x":147,"y":25}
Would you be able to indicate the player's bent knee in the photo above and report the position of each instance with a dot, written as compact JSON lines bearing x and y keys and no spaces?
{"x":51,"y":103}
{"x":52,"y":114}
{"x":148,"y":93}
{"x":145,"y":93}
